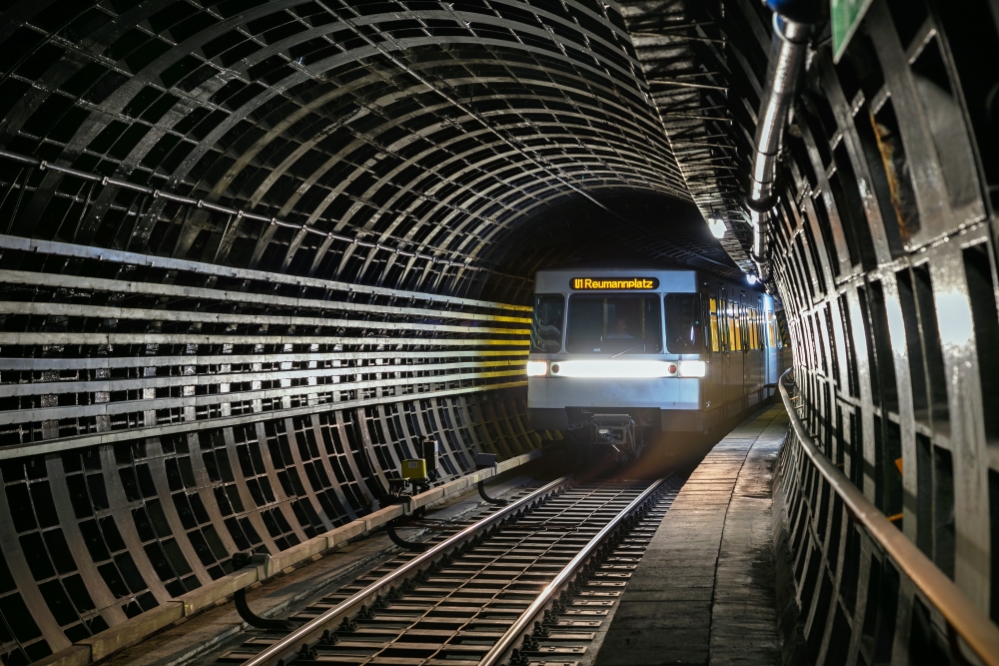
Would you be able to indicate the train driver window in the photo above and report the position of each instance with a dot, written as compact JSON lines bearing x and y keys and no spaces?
{"x":549,"y":313}
{"x":684,"y":332}
{"x":618,"y":324}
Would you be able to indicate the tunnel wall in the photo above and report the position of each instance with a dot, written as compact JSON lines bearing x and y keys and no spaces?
{"x":885,"y":259}
{"x":259,"y":410}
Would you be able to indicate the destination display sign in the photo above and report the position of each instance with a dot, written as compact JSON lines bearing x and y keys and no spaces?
{"x":604,"y":283}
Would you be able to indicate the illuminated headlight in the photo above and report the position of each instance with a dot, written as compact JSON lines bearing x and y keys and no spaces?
{"x":693,"y":368}
{"x":537,"y":368}
{"x":613,"y":369}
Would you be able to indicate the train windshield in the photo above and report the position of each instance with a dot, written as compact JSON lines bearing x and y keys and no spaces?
{"x":616,"y":324}
{"x":684,"y":331}
{"x":549,"y":313}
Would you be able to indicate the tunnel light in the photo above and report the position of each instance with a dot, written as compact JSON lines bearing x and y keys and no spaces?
{"x":613,"y":369}
{"x":717,"y":227}
{"x":537,"y":368}
{"x":693,"y":368}
{"x":750,"y":278}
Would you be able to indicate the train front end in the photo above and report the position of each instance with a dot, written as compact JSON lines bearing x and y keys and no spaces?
{"x":607,"y":364}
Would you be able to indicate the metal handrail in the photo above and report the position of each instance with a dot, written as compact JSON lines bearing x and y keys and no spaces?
{"x":970,"y":623}
{"x":523,"y":622}
{"x":312,"y":631}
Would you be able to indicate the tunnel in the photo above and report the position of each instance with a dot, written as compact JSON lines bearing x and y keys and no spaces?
{"x":252,"y":250}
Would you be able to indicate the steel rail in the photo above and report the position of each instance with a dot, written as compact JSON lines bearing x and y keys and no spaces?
{"x":971,"y":624}
{"x":524,"y":621}
{"x":286,"y":649}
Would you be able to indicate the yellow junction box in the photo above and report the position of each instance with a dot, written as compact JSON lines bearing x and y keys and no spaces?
{"x":414,"y":469}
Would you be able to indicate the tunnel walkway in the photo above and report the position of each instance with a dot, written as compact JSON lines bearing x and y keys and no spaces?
{"x":704,"y":591}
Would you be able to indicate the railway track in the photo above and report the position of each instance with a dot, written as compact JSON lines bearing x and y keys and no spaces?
{"x":528,"y":583}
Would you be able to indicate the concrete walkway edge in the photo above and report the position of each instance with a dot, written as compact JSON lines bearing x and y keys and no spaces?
{"x":704,"y":592}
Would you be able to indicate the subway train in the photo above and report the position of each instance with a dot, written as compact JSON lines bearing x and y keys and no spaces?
{"x":619,"y":353}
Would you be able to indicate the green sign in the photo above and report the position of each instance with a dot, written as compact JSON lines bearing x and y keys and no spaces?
{"x":846,"y":16}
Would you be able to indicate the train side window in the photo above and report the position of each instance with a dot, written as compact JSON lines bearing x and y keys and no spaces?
{"x":549,"y":314}
{"x":734,"y":324}
{"x":713,"y":316}
{"x":754,"y":326}
{"x":740,"y":306}
{"x":725,"y":312}
{"x":771,"y":339}
{"x":684,"y":330}
{"x":761,"y":337}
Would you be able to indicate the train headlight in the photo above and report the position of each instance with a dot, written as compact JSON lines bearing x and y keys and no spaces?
{"x":693,"y":368}
{"x":612,"y":369}
{"x":537,"y":368}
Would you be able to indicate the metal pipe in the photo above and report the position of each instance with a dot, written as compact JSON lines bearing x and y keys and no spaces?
{"x":524,"y":621}
{"x":970,"y":622}
{"x":787,"y":59}
{"x":310,"y":632}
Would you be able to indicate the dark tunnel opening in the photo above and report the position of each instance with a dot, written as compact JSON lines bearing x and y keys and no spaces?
{"x":617,"y":228}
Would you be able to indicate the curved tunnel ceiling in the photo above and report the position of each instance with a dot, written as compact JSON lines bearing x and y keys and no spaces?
{"x":462,"y":130}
